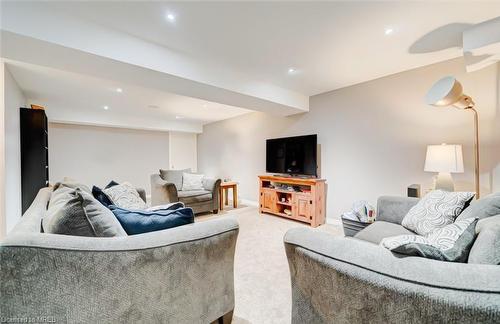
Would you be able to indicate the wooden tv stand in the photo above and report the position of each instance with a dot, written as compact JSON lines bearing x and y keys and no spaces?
{"x":307,"y":205}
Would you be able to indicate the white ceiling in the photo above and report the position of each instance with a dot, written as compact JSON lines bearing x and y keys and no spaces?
{"x":233,"y":53}
{"x":332,"y":44}
{"x":81,"y":99}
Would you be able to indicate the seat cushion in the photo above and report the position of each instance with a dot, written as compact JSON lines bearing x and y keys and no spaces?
{"x":194,"y":196}
{"x":380,"y":230}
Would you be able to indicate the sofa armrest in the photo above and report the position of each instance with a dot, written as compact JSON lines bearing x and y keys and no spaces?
{"x":179,"y":275}
{"x":348,"y":280}
{"x":394,"y":209}
{"x":213,"y":185}
{"x":162,"y":192}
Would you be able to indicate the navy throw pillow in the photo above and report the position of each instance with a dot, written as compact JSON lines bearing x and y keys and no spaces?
{"x":101,"y":196}
{"x":112,"y":183}
{"x":141,"y":221}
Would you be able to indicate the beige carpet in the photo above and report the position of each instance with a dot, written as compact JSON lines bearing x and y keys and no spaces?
{"x":261,"y":275}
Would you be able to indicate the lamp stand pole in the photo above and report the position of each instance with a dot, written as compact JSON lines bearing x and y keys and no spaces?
{"x":476,"y":151}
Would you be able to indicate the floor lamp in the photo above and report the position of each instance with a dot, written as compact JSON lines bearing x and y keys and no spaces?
{"x":449,"y":92}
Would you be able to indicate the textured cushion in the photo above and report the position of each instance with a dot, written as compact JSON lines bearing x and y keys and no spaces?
{"x":482,"y":208}
{"x":191,"y":181}
{"x":435,"y":210}
{"x":486,"y":248}
{"x":76,"y":212}
{"x":194,"y":196}
{"x":173,"y":176}
{"x":141,"y":221}
{"x":450,"y":243}
{"x":379,"y":230}
{"x":125,"y":196}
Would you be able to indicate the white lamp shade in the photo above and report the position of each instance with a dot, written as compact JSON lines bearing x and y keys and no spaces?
{"x":444,"y":158}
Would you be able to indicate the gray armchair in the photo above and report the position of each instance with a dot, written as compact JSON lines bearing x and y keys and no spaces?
{"x":178,"y":275}
{"x":353,"y":280}
{"x":201,"y":201}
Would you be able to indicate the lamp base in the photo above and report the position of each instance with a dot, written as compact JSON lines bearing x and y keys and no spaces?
{"x":444,"y":181}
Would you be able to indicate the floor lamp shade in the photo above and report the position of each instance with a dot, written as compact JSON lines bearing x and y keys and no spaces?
{"x":444,"y":158}
{"x":448,"y":92}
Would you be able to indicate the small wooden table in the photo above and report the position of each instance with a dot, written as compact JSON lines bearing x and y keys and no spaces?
{"x":224,"y":193}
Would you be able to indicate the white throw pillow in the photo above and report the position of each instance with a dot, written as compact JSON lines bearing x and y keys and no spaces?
{"x":125,"y":196}
{"x":435,"y":210}
{"x":191,"y":181}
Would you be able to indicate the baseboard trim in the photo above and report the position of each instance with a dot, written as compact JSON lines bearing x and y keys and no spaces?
{"x":249,"y":202}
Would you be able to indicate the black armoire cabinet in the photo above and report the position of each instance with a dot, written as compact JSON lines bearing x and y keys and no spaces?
{"x":34,"y":154}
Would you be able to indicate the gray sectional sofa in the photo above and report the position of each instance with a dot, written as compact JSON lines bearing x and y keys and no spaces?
{"x":354,"y":280}
{"x":179,"y":275}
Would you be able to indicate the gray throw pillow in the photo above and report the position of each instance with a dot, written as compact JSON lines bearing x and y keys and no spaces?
{"x":482,"y":208}
{"x":69,"y":183}
{"x":76,"y":212}
{"x":450,"y":243}
{"x":174,"y":176}
{"x":435,"y":210}
{"x":486,"y":248}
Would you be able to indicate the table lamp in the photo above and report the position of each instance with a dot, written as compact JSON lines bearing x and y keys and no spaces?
{"x":445,"y":159}
{"x":449,"y":92}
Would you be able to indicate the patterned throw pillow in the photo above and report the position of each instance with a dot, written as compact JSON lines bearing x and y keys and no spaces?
{"x":125,"y":196}
{"x":191,"y":181}
{"x":450,"y":243}
{"x":437,"y":209}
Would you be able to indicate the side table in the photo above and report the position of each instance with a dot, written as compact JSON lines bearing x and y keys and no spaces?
{"x":224,"y":193}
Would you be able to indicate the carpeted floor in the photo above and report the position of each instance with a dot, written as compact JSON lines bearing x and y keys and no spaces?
{"x":261,"y":275}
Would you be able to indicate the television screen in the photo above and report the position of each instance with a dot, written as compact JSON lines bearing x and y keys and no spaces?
{"x":292,"y":155}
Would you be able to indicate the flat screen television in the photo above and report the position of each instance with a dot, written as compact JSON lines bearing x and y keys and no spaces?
{"x":292,"y":155}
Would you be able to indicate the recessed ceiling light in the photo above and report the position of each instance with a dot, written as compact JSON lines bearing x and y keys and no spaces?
{"x":388,"y":31}
{"x":179,"y":117}
{"x":105,"y":107}
{"x":204,"y":105}
{"x":119,"y":90}
{"x":153,"y":107}
{"x":170,"y":17}
{"x":292,"y":70}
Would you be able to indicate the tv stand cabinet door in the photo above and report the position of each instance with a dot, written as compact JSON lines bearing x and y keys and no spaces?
{"x":303,"y":207}
{"x":268,"y":201}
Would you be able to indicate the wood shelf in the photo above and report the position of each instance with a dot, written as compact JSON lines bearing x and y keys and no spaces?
{"x":308,"y":206}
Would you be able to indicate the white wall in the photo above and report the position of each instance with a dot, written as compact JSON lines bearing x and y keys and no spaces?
{"x":183,"y":151}
{"x":96,"y":155}
{"x":2,"y":150}
{"x":14,"y":99}
{"x":373,"y":136}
